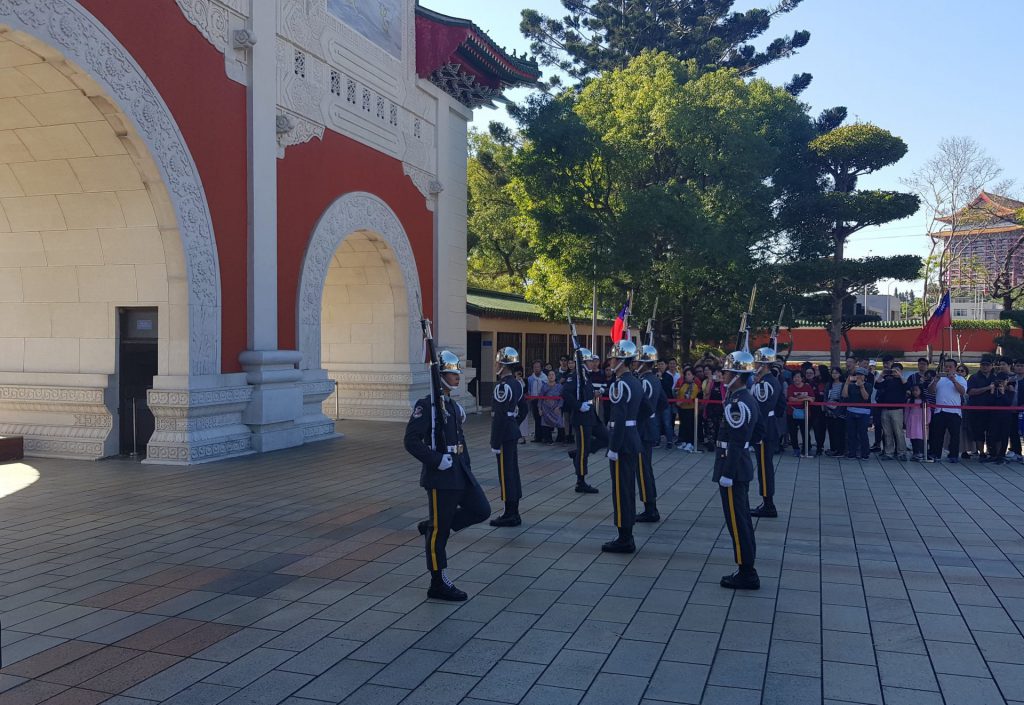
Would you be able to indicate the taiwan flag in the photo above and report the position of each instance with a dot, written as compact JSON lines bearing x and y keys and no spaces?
{"x":619,"y":329}
{"x":932,"y":330}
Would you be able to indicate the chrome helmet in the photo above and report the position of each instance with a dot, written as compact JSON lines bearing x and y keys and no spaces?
{"x":739,"y":361}
{"x":587,"y":356}
{"x":648,"y":354}
{"x":764,"y":356}
{"x":507,"y":356}
{"x":449,"y":362}
{"x":623,"y":350}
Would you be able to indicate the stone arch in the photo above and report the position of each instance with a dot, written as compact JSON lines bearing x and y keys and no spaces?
{"x":352,"y":213}
{"x":357,"y":238}
{"x":62,"y":30}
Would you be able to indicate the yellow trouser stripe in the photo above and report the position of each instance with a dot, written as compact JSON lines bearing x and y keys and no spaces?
{"x":580,"y":468}
{"x":735,"y":530}
{"x":643,"y":485}
{"x":501,"y":472}
{"x":764,"y":473}
{"x":433,"y":534}
{"x":616,"y":498}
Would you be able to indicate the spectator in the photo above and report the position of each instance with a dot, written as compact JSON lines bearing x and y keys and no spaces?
{"x":851,"y":365}
{"x":981,"y":392}
{"x":918,"y":377}
{"x":857,"y":390}
{"x":524,"y":427}
{"x":563,"y":369}
{"x":948,"y":390}
{"x":713,"y":392}
{"x":891,"y":390}
{"x":1018,"y":378}
{"x":668,"y":415}
{"x":570,"y":367}
{"x":967,"y":445}
{"x":835,"y":415}
{"x":1001,"y":421}
{"x":915,"y":419}
{"x":533,"y":385}
{"x":686,"y":391}
{"x":799,"y":392}
{"x":551,"y":409}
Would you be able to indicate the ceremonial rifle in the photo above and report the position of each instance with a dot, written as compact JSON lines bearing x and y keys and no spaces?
{"x":775,"y":331}
{"x":743,"y":337}
{"x":580,"y":368}
{"x":438,"y":410}
{"x":650,"y":323}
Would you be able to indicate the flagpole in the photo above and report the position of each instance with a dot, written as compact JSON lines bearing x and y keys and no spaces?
{"x":593,"y":320}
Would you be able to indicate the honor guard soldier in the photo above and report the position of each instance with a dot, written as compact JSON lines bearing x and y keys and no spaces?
{"x":741,"y":422}
{"x":766,"y":390}
{"x":455,"y":498}
{"x":650,"y":431}
{"x":590,"y":436}
{"x":628,"y":405}
{"x":508,"y":411}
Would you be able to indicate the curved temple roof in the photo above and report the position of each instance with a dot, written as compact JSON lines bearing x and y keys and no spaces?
{"x":462,"y":60}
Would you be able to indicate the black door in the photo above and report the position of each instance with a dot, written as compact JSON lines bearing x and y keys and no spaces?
{"x":473,"y":353}
{"x":137,"y":365}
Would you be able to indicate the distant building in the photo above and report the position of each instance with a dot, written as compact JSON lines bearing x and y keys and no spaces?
{"x":887,"y":307}
{"x":978,"y":238}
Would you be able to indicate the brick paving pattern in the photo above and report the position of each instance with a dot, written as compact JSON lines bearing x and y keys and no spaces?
{"x":298,"y":577}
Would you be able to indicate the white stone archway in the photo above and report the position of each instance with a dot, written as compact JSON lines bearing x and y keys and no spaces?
{"x":134,"y":163}
{"x":369,"y":386}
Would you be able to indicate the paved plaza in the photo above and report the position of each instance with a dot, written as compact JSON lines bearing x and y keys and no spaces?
{"x":298,"y":577}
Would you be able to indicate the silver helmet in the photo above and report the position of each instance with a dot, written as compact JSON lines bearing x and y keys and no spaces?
{"x":739,"y":361}
{"x":623,"y":350}
{"x":764,"y":356}
{"x":449,"y":362}
{"x":507,"y":356}
{"x":587,"y":356}
{"x":648,"y":353}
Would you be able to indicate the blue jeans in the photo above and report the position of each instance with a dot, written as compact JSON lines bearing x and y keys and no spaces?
{"x":668,"y":419}
{"x":857,"y":445}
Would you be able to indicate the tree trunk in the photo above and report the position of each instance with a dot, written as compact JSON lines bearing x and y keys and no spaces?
{"x":838,"y":294}
{"x":1007,"y":302}
{"x":685,"y":335}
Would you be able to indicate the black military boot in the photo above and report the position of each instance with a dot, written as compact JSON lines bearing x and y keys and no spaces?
{"x":425,"y":527}
{"x":510,"y":517}
{"x":623,"y":544}
{"x":767,"y":510}
{"x":441,"y":588}
{"x":743,"y":579}
{"x":650,"y":514}
{"x":582,"y":486}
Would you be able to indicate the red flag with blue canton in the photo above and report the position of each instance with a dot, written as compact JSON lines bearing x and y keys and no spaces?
{"x":619,"y":327}
{"x":932,"y":330}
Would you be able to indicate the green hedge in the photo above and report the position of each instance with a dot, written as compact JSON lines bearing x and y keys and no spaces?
{"x":966,"y":324}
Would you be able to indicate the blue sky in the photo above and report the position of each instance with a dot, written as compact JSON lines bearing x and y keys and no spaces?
{"x":924,"y":69}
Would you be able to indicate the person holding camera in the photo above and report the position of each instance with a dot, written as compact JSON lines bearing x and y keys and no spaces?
{"x":981,"y":389}
{"x":948,"y":389}
{"x":892,"y":390}
{"x":857,"y":390}
{"x":1002,"y":423}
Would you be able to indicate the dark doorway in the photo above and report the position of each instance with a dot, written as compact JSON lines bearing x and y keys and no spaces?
{"x":473,"y":353}
{"x":137,"y":365}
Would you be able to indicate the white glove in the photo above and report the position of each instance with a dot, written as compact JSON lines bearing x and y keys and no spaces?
{"x":496,"y":451}
{"x":446,"y":462}
{"x":585,"y":407}
{"x":612,"y":455}
{"x":725,"y":481}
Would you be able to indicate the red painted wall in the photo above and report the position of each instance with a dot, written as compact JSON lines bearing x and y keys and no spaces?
{"x":310,"y":178}
{"x":891,"y":339}
{"x":210,"y":111}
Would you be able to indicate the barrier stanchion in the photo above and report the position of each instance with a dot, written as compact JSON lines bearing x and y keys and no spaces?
{"x":807,"y":429}
{"x":696,"y":423}
{"x":925,"y":421}
{"x":337,"y":402}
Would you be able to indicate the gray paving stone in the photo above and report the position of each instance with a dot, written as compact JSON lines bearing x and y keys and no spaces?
{"x":609,"y":689}
{"x":903,"y":696}
{"x":596,"y":636}
{"x":1006,"y":648}
{"x":906,"y":671}
{"x":410,"y":669}
{"x":717,"y":695}
{"x":746,"y":636}
{"x":903,"y":638}
{"x":782,"y":689}
{"x":550,"y":695}
{"x":507,"y":626}
{"x":963,"y":689}
{"x":634,"y":658}
{"x":797,"y":627}
{"x":320,"y":656}
{"x":845,"y":618}
{"x":441,"y":688}
{"x":538,"y":646}
{"x":370,"y":694}
{"x":678,"y":682}
{"x":943,"y":627}
{"x":853,"y":682}
{"x":796,"y":658}
{"x":573,"y":669}
{"x":176,"y":678}
{"x":957,"y":659}
{"x":202,"y":694}
{"x":1009,"y":677}
{"x":848,"y":647}
{"x":703,"y":618}
{"x":387,"y":646}
{"x":507,"y":682}
{"x":248,"y":668}
{"x":738,"y":669}
{"x":339,"y":681}
{"x":476,"y":658}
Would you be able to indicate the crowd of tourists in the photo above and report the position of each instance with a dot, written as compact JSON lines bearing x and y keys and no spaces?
{"x":907,"y":414}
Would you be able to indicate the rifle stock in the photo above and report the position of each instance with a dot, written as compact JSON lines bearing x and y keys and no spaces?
{"x":438,"y":411}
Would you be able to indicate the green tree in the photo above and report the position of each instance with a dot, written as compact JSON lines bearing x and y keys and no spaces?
{"x":659,"y":178}
{"x":498,"y":229}
{"x":595,"y":36}
{"x":821,"y":221}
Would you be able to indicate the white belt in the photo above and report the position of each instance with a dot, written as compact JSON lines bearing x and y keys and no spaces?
{"x":628,"y":423}
{"x":652,"y":416}
{"x":510,"y":413}
{"x":456,"y":449}
{"x":724,"y":444}
{"x":771,"y":413}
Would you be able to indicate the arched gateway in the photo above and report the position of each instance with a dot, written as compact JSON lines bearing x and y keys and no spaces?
{"x":358,"y":309}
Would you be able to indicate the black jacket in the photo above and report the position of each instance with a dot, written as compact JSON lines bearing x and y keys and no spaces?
{"x":629,"y":404}
{"x":419,"y":443}
{"x":508,"y":411}
{"x":650,"y":431}
{"x":571,"y":405}
{"x":767,"y":393}
{"x":741,"y":422}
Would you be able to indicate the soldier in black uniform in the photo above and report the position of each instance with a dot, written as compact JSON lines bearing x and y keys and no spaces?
{"x":455,"y":498}
{"x":767,"y":390}
{"x":650,"y":431}
{"x":508,"y":411}
{"x":734,"y":469}
{"x":589,"y":433}
{"x":628,"y":405}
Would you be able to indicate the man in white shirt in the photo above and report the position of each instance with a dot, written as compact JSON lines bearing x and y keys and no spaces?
{"x":948,"y":388}
{"x":533,"y":385}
